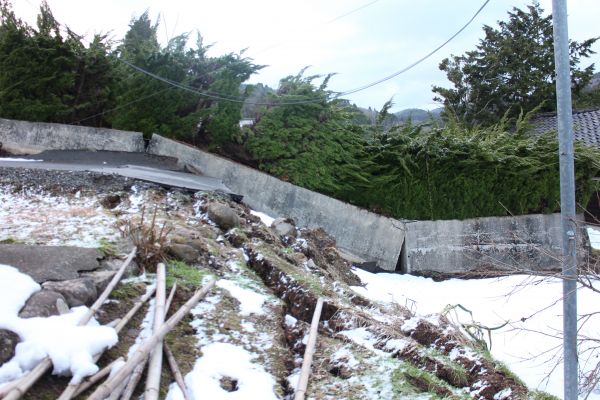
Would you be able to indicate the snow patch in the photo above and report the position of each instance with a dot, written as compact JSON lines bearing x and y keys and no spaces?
{"x":250,"y":301}
{"x":224,"y":360}
{"x":266,"y":219}
{"x":69,"y":346}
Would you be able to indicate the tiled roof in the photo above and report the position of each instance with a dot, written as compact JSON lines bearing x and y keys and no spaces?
{"x":586,"y":125}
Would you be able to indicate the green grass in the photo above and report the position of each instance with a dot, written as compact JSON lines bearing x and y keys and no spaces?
{"x":539,"y":395}
{"x":107,"y":248}
{"x":10,"y":240}
{"x":409,"y":380}
{"x":184,"y":274}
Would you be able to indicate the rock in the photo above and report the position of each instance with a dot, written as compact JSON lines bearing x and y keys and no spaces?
{"x":101,"y":279}
{"x":183,"y":252}
{"x":198,"y":244}
{"x":224,"y":216}
{"x":110,"y":201}
{"x":77,"y":292}
{"x":44,"y":303}
{"x":113,"y":264}
{"x":311,"y":264}
{"x":8,"y":342}
{"x":49,"y":263}
{"x":284,"y":227}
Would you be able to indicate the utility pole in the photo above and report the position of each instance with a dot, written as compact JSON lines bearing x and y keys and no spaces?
{"x":567,"y":195}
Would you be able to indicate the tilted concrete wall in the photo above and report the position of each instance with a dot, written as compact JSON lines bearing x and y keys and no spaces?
{"x":357,"y":231}
{"x":522,"y":243}
{"x":512,"y":244}
{"x":21,"y":137}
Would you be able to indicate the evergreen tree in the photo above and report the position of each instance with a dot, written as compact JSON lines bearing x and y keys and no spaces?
{"x":309,"y":143}
{"x":510,"y":71}
{"x":48,"y":74}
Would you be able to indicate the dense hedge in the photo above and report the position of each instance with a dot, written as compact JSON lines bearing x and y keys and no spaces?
{"x":457,"y":173}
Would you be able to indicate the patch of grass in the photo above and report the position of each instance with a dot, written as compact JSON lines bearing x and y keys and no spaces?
{"x":410,"y":380}
{"x":503,"y":368}
{"x":458,"y":372}
{"x":184,"y":274}
{"x":107,"y":247}
{"x":539,"y":395}
{"x":127,"y":291}
{"x":10,"y":240}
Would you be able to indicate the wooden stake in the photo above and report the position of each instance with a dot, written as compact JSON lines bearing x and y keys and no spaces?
{"x":155,"y":361}
{"x":146,"y":347}
{"x":136,"y":375}
{"x":176,"y":371}
{"x":309,"y":352}
{"x":29,"y":379}
{"x":73,"y":390}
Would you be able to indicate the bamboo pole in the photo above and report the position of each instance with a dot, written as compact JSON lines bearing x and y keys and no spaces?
{"x":155,"y":361}
{"x":91,"y":380}
{"x":104,"y":390}
{"x":73,"y":390}
{"x":309,"y":352}
{"x":136,"y":375}
{"x":176,"y":371}
{"x":29,"y":379}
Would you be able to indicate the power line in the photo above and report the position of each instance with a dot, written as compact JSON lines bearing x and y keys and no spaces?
{"x":409,"y":67}
{"x":222,"y":97}
{"x":324,"y":23}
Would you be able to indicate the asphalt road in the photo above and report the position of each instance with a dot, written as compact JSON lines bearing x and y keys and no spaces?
{"x":157,"y":169}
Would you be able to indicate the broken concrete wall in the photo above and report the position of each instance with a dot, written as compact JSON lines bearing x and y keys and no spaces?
{"x":369,"y":236}
{"x":21,"y":137}
{"x":482,"y":245}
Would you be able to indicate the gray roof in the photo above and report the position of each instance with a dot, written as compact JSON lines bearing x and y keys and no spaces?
{"x":586,"y":125}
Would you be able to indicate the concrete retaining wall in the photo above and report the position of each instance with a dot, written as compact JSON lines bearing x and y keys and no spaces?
{"x":20,"y":137}
{"x":531,"y":242}
{"x":357,"y":231}
{"x":521,"y":243}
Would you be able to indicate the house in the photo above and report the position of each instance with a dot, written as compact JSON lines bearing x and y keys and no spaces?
{"x":586,"y":125}
{"x":586,"y":129}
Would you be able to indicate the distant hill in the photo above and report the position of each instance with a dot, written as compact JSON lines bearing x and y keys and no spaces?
{"x":418,"y":115}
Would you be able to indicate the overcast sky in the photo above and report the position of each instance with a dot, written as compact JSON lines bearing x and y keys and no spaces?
{"x":360,"y":40}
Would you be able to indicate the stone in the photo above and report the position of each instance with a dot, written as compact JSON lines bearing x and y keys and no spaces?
{"x":101,"y":279}
{"x":110,"y":201}
{"x":77,"y":292}
{"x":8,"y":343}
{"x":284,"y":227}
{"x":49,"y":263}
{"x":224,"y":216}
{"x":44,"y":303}
{"x":183,"y":252}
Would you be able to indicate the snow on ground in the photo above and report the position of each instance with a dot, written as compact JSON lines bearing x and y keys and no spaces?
{"x":17,"y":159}
{"x":70,"y":347}
{"x":594,"y":235}
{"x":251,"y":302}
{"x":37,"y":217}
{"x":529,"y":344}
{"x":266,"y":219}
{"x":229,"y":354}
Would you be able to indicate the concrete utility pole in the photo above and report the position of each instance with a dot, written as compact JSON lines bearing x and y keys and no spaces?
{"x":567,"y":195}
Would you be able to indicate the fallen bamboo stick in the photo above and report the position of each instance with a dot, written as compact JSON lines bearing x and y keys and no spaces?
{"x":176,"y":371}
{"x":73,"y":390}
{"x":91,"y":380}
{"x":155,"y":362}
{"x":104,"y":390}
{"x":136,"y":375}
{"x":309,"y":352}
{"x":28,"y":380}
